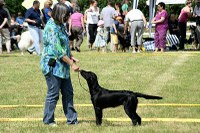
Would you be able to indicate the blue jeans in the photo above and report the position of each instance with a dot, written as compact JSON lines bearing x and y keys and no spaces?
{"x":36,"y":34}
{"x":55,"y":84}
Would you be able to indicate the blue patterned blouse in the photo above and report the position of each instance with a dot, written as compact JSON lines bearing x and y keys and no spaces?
{"x":56,"y":46}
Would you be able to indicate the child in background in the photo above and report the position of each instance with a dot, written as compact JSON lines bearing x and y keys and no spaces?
{"x":114,"y":32}
{"x":100,"y":40}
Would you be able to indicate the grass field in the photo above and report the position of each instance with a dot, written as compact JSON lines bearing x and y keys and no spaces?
{"x":172,"y":75}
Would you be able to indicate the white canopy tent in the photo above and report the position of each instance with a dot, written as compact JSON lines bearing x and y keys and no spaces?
{"x":152,"y":4}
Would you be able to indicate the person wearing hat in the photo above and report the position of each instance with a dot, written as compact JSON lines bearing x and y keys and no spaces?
{"x":100,"y":40}
{"x":4,"y":28}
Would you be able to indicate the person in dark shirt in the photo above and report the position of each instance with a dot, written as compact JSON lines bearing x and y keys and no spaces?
{"x":4,"y":28}
{"x":33,"y":18}
{"x":173,"y":25}
{"x":114,"y":32}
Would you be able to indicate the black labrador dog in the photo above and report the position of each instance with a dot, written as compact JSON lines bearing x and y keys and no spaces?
{"x":104,"y":98}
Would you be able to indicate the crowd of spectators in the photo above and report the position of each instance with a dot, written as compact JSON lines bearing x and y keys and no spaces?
{"x":116,"y":20}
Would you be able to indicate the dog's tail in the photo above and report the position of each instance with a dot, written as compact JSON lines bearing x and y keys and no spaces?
{"x":147,"y":96}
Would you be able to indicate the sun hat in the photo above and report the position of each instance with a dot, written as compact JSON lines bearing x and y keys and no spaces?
{"x":118,"y":18}
{"x":101,"y":22}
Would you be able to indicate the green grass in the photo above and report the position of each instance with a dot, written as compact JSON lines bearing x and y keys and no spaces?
{"x":173,"y":75}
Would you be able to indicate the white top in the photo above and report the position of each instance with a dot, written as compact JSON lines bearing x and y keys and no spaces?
{"x":93,"y":16}
{"x":134,"y":14}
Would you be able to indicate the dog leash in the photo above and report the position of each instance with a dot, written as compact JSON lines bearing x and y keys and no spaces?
{"x":80,"y":83}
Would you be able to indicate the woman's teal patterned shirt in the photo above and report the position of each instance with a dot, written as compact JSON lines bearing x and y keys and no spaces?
{"x":56,"y":45}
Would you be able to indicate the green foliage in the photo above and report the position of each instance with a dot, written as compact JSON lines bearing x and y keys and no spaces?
{"x":15,"y":6}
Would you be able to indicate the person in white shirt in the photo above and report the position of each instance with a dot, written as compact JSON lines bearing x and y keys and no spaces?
{"x":86,"y":22}
{"x":92,"y":20}
{"x":138,"y":22}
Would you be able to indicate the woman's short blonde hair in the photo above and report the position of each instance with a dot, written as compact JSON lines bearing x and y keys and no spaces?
{"x":48,"y":2}
{"x":60,"y":13}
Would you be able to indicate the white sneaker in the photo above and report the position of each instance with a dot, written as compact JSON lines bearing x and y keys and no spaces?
{"x":138,"y":51}
{"x":34,"y":53}
{"x":53,"y":125}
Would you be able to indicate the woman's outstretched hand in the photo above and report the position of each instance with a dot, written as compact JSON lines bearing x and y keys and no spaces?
{"x":75,"y":67}
{"x":74,"y":59}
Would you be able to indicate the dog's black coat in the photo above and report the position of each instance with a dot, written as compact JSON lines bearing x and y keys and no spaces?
{"x":104,"y":98}
{"x":125,"y":41}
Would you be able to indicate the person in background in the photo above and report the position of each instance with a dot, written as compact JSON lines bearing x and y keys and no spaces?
{"x":86,"y":22}
{"x":125,"y":7}
{"x":100,"y":40}
{"x":76,"y":26}
{"x":15,"y":31}
{"x":161,"y":27}
{"x":13,"y":20}
{"x":138,"y":23}
{"x":173,"y":36}
{"x":55,"y":63}
{"x":70,"y":5}
{"x":9,"y":16}
{"x":196,"y":14}
{"x":107,"y":15}
{"x":173,"y":25}
{"x":20,"y":19}
{"x":114,"y":33}
{"x":119,"y":12}
{"x":33,"y":18}
{"x":48,"y":10}
{"x":4,"y":28}
{"x":92,"y":19}
{"x":182,"y":22}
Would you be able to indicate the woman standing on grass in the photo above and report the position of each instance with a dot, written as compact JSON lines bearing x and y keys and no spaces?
{"x":55,"y":64}
{"x":76,"y":26}
{"x":182,"y":22}
{"x":161,"y":22}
